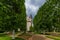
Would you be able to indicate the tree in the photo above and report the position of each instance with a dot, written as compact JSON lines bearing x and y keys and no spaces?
{"x":12,"y":15}
{"x":48,"y":16}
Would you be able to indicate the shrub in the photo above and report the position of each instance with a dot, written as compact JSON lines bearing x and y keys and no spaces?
{"x":31,"y":29}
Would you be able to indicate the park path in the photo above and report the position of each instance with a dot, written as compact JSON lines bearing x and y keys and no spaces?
{"x":39,"y":37}
{"x":34,"y":37}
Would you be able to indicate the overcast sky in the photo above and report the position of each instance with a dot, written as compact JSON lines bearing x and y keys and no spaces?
{"x":32,"y":6}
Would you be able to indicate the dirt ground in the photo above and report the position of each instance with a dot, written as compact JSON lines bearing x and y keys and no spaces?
{"x":35,"y":37}
{"x":39,"y":37}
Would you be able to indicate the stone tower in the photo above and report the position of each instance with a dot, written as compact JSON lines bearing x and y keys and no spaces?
{"x":29,"y":22}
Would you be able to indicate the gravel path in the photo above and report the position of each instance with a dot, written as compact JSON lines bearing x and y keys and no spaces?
{"x":39,"y":37}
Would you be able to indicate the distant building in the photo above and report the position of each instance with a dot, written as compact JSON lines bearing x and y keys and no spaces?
{"x":29,"y":22}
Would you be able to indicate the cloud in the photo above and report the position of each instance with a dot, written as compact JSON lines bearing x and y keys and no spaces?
{"x":32,"y":6}
{"x":31,"y":9}
{"x":37,"y":2}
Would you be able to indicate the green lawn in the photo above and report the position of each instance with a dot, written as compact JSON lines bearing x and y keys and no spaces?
{"x":54,"y":37}
{"x":6,"y":37}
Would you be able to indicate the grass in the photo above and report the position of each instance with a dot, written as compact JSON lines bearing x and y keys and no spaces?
{"x":19,"y":39}
{"x":6,"y":37}
{"x":9,"y":38}
{"x":54,"y":37}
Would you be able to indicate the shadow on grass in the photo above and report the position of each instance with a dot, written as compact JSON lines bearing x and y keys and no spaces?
{"x":18,"y":39}
{"x":3,"y":35}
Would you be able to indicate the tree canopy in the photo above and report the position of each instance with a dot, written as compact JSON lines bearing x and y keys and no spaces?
{"x":48,"y":16}
{"x":12,"y":15}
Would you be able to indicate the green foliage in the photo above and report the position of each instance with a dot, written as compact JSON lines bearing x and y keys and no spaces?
{"x":48,"y":16}
{"x":12,"y":15}
{"x":32,"y":29}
